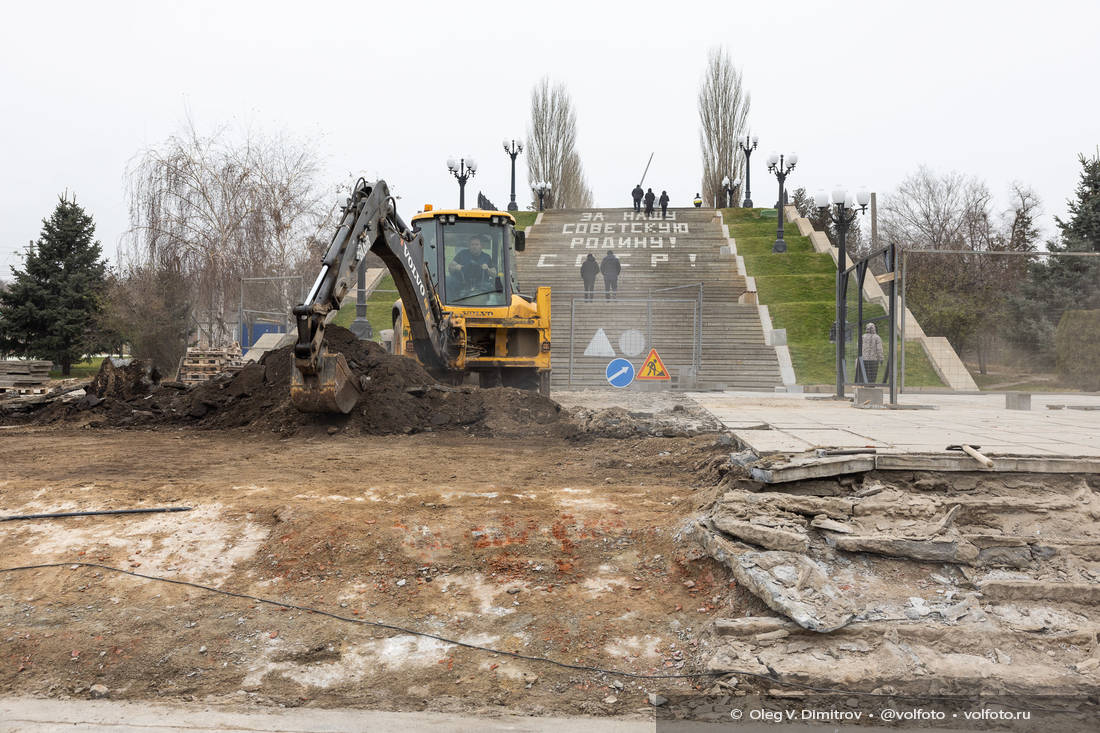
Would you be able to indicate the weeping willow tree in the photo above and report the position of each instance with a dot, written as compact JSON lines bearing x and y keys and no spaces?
{"x":552,"y":148}
{"x":215,"y":208}
{"x":723,"y":111}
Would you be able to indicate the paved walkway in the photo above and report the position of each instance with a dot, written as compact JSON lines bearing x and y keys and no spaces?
{"x":796,"y":423}
{"x":24,"y":715}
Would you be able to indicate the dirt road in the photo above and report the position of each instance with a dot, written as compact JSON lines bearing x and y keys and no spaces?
{"x":546,"y":548}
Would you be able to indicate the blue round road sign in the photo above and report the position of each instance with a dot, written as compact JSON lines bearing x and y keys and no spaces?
{"x":620,"y":373}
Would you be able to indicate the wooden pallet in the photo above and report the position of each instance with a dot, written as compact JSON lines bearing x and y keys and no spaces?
{"x":202,"y":365}
{"x":25,"y":389}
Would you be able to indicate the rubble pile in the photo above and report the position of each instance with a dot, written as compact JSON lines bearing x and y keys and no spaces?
{"x":912,"y":581}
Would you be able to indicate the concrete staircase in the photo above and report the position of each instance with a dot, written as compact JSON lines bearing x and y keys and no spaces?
{"x":657,"y":256}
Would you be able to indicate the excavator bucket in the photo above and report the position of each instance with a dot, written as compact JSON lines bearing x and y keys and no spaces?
{"x":333,"y":388}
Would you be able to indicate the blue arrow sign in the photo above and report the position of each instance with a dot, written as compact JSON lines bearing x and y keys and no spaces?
{"x":620,"y":373}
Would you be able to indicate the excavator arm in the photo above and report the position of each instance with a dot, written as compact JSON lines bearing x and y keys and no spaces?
{"x":323,"y":382}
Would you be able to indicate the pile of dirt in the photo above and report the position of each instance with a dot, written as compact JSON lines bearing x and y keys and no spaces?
{"x":399,"y":396}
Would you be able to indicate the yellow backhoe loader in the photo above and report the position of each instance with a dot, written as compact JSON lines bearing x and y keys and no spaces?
{"x":461,"y":312}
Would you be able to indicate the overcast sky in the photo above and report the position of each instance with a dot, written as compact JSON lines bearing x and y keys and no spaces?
{"x":864,"y":92}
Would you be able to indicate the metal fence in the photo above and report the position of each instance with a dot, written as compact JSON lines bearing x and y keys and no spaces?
{"x":1000,"y":321}
{"x":600,"y":329}
{"x":265,"y":305}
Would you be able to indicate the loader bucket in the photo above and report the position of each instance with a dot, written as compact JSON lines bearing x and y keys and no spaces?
{"x":332,"y":389}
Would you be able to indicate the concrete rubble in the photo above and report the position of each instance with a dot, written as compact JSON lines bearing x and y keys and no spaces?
{"x":912,"y":581}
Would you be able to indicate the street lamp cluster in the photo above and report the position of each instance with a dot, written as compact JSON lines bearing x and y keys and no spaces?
{"x":730,"y":187}
{"x":842,"y":213}
{"x":746,"y":145}
{"x":463,"y":169}
{"x":513,"y":148}
{"x":781,"y":165}
{"x":542,"y":188}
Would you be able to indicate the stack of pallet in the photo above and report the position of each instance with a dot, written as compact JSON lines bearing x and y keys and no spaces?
{"x":201,"y":365}
{"x":24,"y":377}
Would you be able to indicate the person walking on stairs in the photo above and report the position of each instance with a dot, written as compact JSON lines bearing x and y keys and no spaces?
{"x":698,"y":201}
{"x":872,"y":353}
{"x":637,"y":193}
{"x":589,"y":269}
{"x":610,"y":267}
{"x":663,"y":201}
{"x":649,"y":198}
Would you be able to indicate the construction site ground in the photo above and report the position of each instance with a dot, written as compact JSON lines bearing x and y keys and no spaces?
{"x":645,"y":538}
{"x":547,"y":548}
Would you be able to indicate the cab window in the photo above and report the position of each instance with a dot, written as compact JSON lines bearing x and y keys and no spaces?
{"x":474,"y":263}
{"x":431,"y":254}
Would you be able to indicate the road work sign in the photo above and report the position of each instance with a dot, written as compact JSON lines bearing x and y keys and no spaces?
{"x":620,"y":373}
{"x":653,"y":369}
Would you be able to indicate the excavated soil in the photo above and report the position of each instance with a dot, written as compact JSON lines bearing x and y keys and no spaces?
{"x":398,"y":396}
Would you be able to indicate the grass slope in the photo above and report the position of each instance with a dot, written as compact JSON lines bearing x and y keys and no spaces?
{"x":379,"y":307}
{"x":524,"y":219}
{"x":799,"y":289}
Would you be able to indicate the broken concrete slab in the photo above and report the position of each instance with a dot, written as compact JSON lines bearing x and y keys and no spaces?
{"x":823,"y":522}
{"x":795,"y":586}
{"x":807,"y":467}
{"x":945,"y":549}
{"x":811,"y":506}
{"x":1040,"y":590}
{"x":1005,"y":464}
{"x":752,"y":625}
{"x":786,"y":537}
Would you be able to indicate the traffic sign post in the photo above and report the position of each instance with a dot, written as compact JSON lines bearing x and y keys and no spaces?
{"x":653,"y":369}
{"x":619,"y":373}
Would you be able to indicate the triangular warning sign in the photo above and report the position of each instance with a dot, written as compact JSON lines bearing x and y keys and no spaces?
{"x":653,"y":368}
{"x":600,"y":345}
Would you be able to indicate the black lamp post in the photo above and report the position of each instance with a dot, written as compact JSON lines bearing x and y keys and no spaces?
{"x":542,"y":188}
{"x":513,"y":149}
{"x":731,"y":189}
{"x":464,"y":169}
{"x":781,"y":166}
{"x":842,"y":214}
{"x":747,"y":145}
{"x":361,"y":327}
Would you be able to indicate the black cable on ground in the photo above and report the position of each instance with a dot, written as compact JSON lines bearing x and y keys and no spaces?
{"x":773,"y":677}
{"x":95,"y":513}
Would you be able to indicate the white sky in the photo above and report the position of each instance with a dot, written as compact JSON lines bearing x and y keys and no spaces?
{"x":863,"y":91}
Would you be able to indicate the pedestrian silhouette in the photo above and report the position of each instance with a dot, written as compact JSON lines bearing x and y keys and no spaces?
{"x":649,"y":198}
{"x":664,"y":204}
{"x":610,"y":267}
{"x":637,"y":193}
{"x":589,"y":269}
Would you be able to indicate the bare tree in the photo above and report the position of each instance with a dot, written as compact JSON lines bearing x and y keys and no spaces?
{"x":723,"y":111}
{"x":966,"y":295}
{"x":935,"y":212}
{"x":216,"y":209}
{"x":552,"y":148}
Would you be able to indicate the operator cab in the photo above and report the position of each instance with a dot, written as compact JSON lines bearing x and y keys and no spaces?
{"x":474,"y":252}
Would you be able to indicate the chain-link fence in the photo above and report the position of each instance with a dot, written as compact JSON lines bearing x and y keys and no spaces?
{"x":1001,"y":321}
{"x":598,"y":330}
{"x":265,"y":306}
